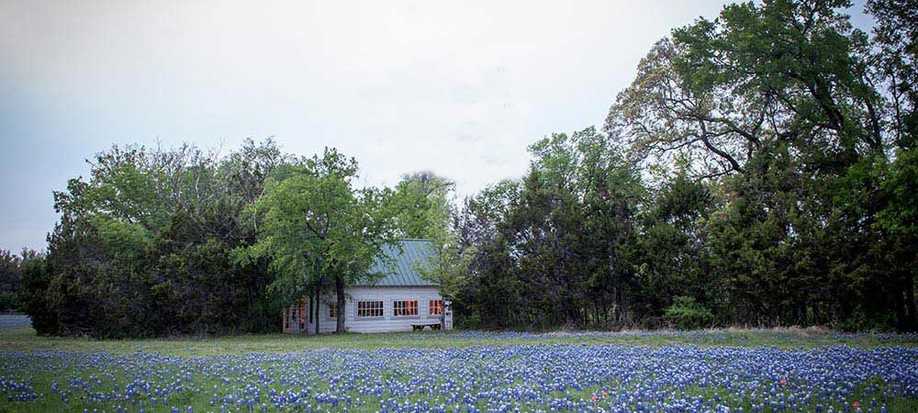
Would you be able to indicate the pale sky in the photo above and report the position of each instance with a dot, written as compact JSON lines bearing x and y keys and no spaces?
{"x":456,"y":87}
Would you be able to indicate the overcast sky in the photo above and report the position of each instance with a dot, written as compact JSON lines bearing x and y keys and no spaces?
{"x":456,"y":87}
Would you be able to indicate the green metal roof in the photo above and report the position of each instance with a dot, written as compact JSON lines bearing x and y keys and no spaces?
{"x":400,"y":265}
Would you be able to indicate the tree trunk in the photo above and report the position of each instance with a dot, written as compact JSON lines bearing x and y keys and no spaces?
{"x":911,"y":320}
{"x":309,"y":318}
{"x":318,"y":289}
{"x":340,"y":313}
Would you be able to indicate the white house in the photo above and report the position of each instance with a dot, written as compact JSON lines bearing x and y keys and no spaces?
{"x":402,"y":300}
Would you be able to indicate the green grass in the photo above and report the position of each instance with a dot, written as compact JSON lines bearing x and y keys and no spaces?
{"x":25,"y":339}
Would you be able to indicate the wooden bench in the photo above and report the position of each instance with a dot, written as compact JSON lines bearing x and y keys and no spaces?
{"x":420,"y":326}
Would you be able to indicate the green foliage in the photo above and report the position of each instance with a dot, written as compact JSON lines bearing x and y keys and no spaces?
{"x":33,"y":299}
{"x":9,"y":301}
{"x":420,"y":205}
{"x":10,"y":280}
{"x":900,"y":216}
{"x":316,"y":228}
{"x":143,"y":247}
{"x":775,"y":145}
{"x":549,"y":250}
{"x":686,"y":314}
{"x":895,"y":61}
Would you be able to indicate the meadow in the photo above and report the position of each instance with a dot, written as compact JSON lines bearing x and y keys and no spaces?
{"x":467,"y":371}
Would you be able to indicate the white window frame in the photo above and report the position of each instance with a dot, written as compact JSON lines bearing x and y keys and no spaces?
{"x":382,"y":308}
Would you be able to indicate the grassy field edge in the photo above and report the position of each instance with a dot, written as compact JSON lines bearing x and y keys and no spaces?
{"x":25,"y":339}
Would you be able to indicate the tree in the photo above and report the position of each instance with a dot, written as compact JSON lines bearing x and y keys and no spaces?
{"x":316,"y":227}
{"x":482,"y":288}
{"x":421,"y":205}
{"x":720,"y":91}
{"x":671,"y":247}
{"x":792,"y":116}
{"x":894,"y":60}
{"x":33,"y":295}
{"x":554,"y":249}
{"x":143,"y":246}
{"x":898,"y":221}
{"x":10,"y":280}
{"x":775,"y":141}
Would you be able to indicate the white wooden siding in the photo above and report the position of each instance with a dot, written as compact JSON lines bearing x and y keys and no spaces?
{"x":388,"y":322}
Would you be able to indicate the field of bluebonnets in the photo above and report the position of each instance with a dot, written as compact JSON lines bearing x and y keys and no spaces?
{"x":722,"y":370}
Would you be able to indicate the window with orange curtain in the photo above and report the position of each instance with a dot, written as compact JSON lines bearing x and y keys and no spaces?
{"x":436,"y":307}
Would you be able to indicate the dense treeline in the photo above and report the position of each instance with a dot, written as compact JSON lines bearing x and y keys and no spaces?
{"x":181,"y":241}
{"x":760,"y":170}
{"x":143,"y":246}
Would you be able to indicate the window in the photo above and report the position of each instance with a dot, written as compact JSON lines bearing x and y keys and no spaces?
{"x":332,"y":310}
{"x":405,"y":308}
{"x":436,"y":307}
{"x":369,"y":309}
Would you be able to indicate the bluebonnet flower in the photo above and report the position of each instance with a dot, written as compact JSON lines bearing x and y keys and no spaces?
{"x":527,"y":377}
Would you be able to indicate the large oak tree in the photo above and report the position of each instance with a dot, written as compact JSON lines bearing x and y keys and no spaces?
{"x":317,"y":227}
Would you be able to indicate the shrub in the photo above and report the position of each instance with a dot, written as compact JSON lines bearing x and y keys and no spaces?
{"x":8,"y":301}
{"x":685,"y":313}
{"x":33,"y":298}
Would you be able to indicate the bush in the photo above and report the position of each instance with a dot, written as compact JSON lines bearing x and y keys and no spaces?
{"x":8,"y":301}
{"x":33,"y":298}
{"x":859,"y":320}
{"x":686,"y":314}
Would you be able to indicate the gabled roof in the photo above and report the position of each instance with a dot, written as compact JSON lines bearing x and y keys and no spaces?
{"x":400,"y":265}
